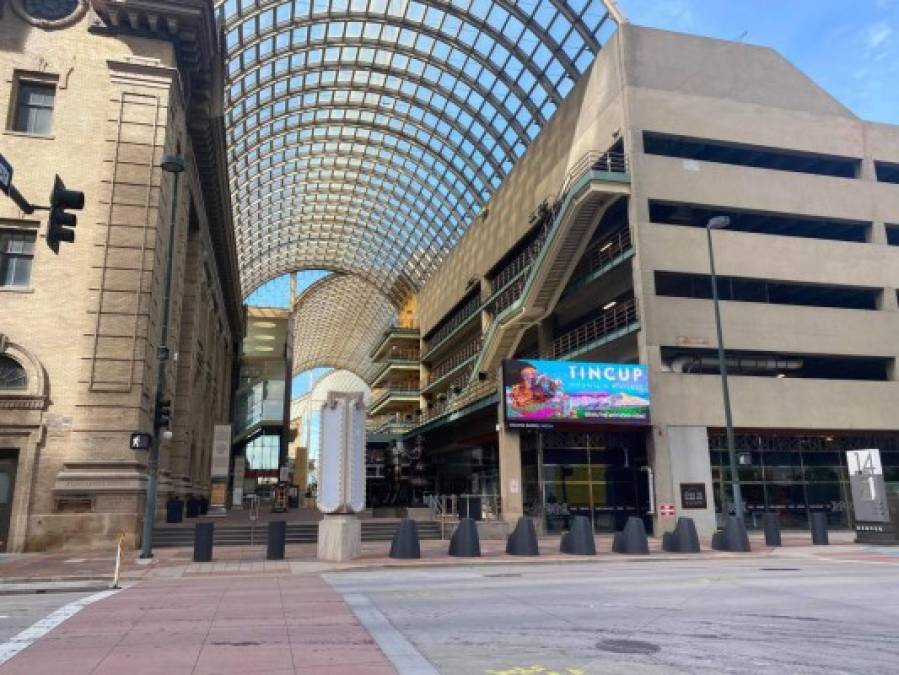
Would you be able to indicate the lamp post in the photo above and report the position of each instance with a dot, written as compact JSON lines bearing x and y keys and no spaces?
{"x":718,"y":223}
{"x":173,"y":165}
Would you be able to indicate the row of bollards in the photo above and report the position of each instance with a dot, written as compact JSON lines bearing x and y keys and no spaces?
{"x":579,"y":540}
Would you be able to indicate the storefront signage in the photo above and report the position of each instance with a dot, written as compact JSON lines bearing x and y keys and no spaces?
{"x":876,"y":510}
{"x":692,"y":496}
{"x":550,"y":394}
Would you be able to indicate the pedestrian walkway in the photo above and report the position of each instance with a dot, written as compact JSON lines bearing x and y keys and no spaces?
{"x":213,"y":625}
{"x":172,"y":563}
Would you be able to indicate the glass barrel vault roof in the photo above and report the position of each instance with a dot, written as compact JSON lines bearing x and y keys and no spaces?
{"x":365,"y":135}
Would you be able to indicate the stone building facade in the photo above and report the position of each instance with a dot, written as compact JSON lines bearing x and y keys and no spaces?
{"x":97,"y":92}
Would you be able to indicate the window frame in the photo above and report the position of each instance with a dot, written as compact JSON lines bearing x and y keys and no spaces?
{"x":18,"y":230}
{"x":22,"y":79}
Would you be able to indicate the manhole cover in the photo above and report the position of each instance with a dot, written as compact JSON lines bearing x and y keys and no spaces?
{"x":779,"y":569}
{"x":501,"y":576}
{"x":628,"y":647}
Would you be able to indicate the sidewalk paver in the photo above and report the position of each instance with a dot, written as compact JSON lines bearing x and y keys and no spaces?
{"x":209,"y":626}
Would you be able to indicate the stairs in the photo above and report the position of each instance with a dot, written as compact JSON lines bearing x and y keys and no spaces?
{"x":583,"y":204}
{"x":297,"y":533}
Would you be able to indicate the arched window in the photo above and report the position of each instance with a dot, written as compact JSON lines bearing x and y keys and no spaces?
{"x":12,"y":375}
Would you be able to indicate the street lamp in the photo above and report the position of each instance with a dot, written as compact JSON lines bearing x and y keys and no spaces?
{"x":173,"y":165}
{"x":719,"y":223}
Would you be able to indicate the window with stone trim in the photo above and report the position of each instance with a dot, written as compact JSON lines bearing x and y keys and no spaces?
{"x":16,"y":258}
{"x":33,"y":105}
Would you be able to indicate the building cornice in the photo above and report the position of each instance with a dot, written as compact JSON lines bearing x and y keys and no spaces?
{"x":191,"y":27}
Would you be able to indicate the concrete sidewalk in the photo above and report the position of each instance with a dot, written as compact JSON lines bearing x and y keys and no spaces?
{"x":214,"y":625}
{"x":170,"y":563}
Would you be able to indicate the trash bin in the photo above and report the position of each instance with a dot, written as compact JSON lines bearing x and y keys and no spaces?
{"x":204,"y":506}
{"x":174,"y":510}
{"x":193,"y":507}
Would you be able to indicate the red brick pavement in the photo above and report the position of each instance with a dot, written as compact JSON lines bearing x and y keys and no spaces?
{"x":209,"y":626}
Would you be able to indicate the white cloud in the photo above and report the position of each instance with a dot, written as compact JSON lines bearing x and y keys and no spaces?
{"x":878,"y":33}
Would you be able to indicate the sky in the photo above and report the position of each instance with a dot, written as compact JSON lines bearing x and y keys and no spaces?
{"x":849,"y":47}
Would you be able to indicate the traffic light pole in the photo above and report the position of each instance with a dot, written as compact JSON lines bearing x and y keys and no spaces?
{"x":161,"y":369}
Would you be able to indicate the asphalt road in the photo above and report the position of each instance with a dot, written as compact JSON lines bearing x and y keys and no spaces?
{"x":697,"y":616}
{"x":18,"y":612}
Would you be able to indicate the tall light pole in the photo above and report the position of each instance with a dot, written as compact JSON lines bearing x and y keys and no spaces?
{"x":173,"y":165}
{"x":719,"y":223}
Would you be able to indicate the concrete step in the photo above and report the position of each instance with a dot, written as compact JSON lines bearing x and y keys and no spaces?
{"x":301,"y":533}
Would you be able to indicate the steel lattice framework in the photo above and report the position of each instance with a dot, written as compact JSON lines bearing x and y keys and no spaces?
{"x":365,"y":135}
{"x":336,"y":321}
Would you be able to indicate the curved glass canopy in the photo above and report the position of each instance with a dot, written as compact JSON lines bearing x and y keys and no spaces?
{"x":365,"y":135}
{"x":336,"y":322}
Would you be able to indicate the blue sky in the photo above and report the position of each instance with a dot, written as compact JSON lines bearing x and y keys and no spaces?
{"x":849,"y":47}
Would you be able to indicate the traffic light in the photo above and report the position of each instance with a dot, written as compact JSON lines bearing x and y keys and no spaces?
{"x":60,"y":221}
{"x":163,"y":414}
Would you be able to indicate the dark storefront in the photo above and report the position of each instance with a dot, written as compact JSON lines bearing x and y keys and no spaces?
{"x":795,"y":474}
{"x":600,"y":475}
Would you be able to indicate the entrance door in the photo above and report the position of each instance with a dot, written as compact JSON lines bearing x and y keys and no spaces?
{"x":8,"y":462}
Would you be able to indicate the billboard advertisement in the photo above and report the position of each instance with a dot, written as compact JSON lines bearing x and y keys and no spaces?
{"x":549,"y":394}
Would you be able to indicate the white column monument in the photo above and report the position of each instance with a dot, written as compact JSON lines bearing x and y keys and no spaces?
{"x":341,"y":485}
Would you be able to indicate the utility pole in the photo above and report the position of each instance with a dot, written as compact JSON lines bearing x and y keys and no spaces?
{"x":718,"y":223}
{"x":162,"y":410}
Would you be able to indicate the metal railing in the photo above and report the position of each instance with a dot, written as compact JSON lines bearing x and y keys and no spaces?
{"x":383,"y":393}
{"x":468,"y":395}
{"x":522,"y":261}
{"x":456,"y":319}
{"x":457,"y":358}
{"x":609,"y":161}
{"x":613,"y":319}
{"x":602,"y":252}
{"x":456,"y":506}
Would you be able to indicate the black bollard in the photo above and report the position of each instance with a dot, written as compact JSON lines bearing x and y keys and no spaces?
{"x":817,"y":522}
{"x":465,"y":542}
{"x":523,"y":540}
{"x":733,"y":537}
{"x":632,"y":539}
{"x":405,"y":541}
{"x":579,"y":539}
{"x":203,"y":533}
{"x":277,"y":537}
{"x":683,"y":539}
{"x":771,"y":522}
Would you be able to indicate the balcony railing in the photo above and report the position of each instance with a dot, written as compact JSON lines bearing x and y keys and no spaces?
{"x":468,"y":395}
{"x":601,"y":253}
{"x":456,"y":359}
{"x":616,"y":318}
{"x":522,"y":261}
{"x":383,"y":393}
{"x":402,"y":355}
{"x":609,"y":161}
{"x":456,"y":319}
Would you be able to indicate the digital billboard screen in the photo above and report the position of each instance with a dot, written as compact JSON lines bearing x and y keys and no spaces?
{"x":549,"y":394}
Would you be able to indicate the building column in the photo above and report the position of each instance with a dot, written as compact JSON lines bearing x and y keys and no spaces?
{"x":510,"y":475}
{"x":545,"y":337}
{"x":689,"y":465}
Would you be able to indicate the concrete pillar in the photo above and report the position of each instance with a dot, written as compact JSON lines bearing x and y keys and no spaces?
{"x":545,"y":336}
{"x":510,"y":475}
{"x":878,"y":233}
{"x":682,"y":459}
